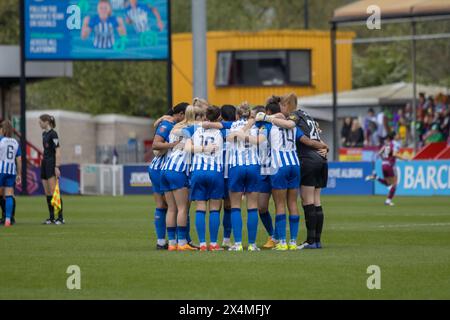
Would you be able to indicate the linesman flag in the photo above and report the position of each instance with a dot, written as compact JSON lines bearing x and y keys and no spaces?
{"x":56,"y":200}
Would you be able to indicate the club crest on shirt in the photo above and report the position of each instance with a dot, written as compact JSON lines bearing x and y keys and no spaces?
{"x":293,"y":117}
{"x":162,"y":129}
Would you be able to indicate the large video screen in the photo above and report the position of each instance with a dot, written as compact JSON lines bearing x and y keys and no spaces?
{"x":96,"y":29}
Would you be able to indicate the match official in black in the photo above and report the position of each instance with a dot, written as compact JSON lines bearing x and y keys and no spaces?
{"x":50,"y":165}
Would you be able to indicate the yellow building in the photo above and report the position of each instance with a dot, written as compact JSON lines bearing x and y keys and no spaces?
{"x":251,"y":66}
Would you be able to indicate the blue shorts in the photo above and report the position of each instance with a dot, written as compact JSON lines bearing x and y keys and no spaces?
{"x":7,"y":180}
{"x":287,"y":177}
{"x":264,"y":184}
{"x":206,"y":185}
{"x":155,"y":177}
{"x":244,"y":179}
{"x":226,"y":193}
{"x":173,"y":180}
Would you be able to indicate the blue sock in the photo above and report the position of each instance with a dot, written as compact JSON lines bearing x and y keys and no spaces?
{"x":188,"y":229}
{"x":9,"y":203}
{"x":275,"y":233}
{"x":236,"y":222}
{"x":181,"y":233}
{"x":200,"y":224}
{"x":172,"y":233}
{"x":227,"y":223}
{"x":280,"y":226}
{"x":160,"y":223}
{"x":214,"y":225}
{"x":293,"y":227}
{"x":252,"y":225}
{"x":266,"y":219}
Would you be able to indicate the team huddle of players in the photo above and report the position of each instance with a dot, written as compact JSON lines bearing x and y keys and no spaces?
{"x":215,"y":158}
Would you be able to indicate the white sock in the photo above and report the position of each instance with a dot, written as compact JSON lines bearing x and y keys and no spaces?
{"x":238,"y":243}
{"x":203,"y":244}
{"x":213,"y":244}
{"x":226,"y":240}
{"x":182,"y":242}
{"x":162,"y":242}
{"x":172,"y":242}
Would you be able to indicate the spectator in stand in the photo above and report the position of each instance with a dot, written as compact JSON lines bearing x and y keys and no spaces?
{"x":356,"y":137}
{"x":422,"y":128}
{"x":382,"y":124}
{"x":445,"y":124}
{"x":345,"y":132}
{"x":434,"y":134}
{"x":396,"y":119}
{"x":370,"y":129}
{"x":421,"y":106}
{"x":429,"y":106}
{"x":403,"y":133}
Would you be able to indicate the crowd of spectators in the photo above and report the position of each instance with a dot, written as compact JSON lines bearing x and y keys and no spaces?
{"x":433,"y":124}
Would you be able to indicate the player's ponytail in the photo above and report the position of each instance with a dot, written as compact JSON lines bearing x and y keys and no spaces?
{"x":274,"y":100}
{"x":7,"y":128}
{"x":49,"y":119}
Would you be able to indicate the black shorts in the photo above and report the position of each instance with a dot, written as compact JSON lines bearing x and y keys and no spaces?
{"x":47,"y":169}
{"x":314,"y":174}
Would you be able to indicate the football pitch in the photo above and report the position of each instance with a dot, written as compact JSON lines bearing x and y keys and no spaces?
{"x":112,"y":240}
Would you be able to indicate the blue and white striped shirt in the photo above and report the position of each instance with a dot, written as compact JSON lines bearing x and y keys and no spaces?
{"x":204,"y":137}
{"x":103,"y":31}
{"x":243,"y":153}
{"x":9,"y":151}
{"x":177,"y":159}
{"x":163,"y":131}
{"x":139,"y":17}
{"x":283,"y":146}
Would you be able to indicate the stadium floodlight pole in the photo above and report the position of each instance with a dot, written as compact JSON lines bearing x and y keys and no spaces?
{"x":414,"y":80}
{"x":334,"y":87}
{"x":169,"y":58}
{"x":199,"y":26}
{"x":23,"y":95}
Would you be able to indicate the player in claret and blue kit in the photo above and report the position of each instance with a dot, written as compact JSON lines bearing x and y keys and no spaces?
{"x":389,"y":154}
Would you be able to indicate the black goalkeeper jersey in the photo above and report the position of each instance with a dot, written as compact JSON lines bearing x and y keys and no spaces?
{"x":308,"y":125}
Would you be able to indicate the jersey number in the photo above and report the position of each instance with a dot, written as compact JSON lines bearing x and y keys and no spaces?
{"x":287,"y":136}
{"x":314,"y":134}
{"x":10,"y":153}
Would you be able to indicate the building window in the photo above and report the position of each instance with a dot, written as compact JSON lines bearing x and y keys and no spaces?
{"x":263,"y":68}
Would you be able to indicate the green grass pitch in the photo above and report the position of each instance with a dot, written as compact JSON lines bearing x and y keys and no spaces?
{"x":112,"y":241}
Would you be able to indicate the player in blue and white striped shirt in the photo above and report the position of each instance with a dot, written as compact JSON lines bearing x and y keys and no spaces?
{"x":137,"y":15}
{"x":175,"y":184}
{"x":207,"y":177}
{"x":161,"y":145}
{"x":10,"y":167}
{"x":103,"y":25}
{"x":228,"y":115}
{"x":245,"y":140}
{"x":285,"y":174}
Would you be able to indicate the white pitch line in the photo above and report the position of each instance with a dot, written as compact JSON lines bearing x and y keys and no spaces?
{"x":442,"y":224}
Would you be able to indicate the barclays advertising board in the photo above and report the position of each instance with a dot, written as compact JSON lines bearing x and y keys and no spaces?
{"x":419,"y":178}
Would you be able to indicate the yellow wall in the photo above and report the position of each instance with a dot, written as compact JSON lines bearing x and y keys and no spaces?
{"x":317,"y":41}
